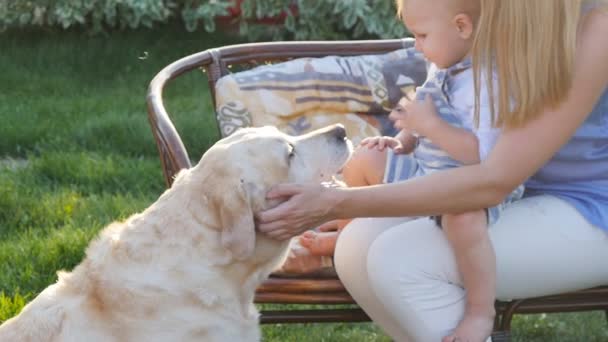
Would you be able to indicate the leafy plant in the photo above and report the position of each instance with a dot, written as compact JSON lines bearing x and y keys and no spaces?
{"x":278,"y":19}
{"x":109,"y":14}
{"x":10,"y":306}
{"x":323,"y":19}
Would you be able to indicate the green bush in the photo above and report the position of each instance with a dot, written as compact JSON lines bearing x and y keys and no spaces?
{"x":98,"y":15}
{"x":276,"y":19}
{"x":323,"y":19}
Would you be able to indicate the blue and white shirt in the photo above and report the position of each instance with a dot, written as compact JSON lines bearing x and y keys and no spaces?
{"x":453,"y":93}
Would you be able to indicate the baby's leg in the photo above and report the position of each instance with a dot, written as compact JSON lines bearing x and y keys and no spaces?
{"x":468,"y":235}
{"x":365,"y":167}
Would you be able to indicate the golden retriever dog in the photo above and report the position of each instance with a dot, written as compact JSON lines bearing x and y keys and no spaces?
{"x":187,"y":267}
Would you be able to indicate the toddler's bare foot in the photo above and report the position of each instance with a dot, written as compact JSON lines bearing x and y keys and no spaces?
{"x":301,"y":260}
{"x":312,"y":250}
{"x":472,"y":328}
{"x":319,"y":243}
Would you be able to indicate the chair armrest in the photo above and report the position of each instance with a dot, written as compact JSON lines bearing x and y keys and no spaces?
{"x":277,"y":51}
{"x":172,"y":152}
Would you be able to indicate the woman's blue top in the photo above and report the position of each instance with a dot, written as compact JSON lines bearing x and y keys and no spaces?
{"x":578,"y":173}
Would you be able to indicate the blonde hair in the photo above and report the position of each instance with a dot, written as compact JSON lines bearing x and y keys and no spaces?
{"x":469,"y":7}
{"x":528,"y":47}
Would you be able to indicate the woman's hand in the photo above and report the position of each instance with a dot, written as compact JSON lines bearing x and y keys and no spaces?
{"x":306,"y":207}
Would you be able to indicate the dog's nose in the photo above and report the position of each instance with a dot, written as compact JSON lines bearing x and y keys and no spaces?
{"x":339,"y":132}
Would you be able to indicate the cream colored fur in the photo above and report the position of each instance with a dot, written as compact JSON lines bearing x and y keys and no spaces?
{"x":186,"y":268}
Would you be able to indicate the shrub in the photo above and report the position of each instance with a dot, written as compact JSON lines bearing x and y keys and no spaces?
{"x":279,"y":19}
{"x":324,"y":19}
{"x":103,"y":14}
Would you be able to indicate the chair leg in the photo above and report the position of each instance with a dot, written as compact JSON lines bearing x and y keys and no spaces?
{"x":502,"y":322}
{"x":501,"y":336}
{"x":498,"y":334}
{"x":507,"y":316}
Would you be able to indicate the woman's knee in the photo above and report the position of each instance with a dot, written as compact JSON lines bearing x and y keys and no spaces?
{"x":391,"y":261}
{"x":351,"y":248}
{"x":353,"y":243}
{"x":410,"y":254}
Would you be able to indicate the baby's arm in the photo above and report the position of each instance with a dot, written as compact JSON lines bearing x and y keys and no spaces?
{"x":421,"y":117}
{"x":458,"y":143}
{"x":463,"y":145}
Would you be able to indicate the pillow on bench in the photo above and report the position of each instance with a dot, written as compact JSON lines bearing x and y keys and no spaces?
{"x":304,"y":94}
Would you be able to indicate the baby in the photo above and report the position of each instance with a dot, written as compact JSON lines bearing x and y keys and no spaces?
{"x":440,"y":129}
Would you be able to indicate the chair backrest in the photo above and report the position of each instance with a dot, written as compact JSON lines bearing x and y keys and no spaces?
{"x":303,"y":94}
{"x":219,"y":62}
{"x":228,"y":59}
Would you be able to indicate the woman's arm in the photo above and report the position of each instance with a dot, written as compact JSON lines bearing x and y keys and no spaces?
{"x":516,"y":156}
{"x":518,"y":153}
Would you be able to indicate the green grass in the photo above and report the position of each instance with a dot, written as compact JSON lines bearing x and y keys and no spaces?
{"x":76,"y":153}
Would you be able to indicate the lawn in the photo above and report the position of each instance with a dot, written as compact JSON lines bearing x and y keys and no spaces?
{"x":76,"y":153}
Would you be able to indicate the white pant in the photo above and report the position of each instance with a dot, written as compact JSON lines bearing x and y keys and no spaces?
{"x":402,"y":272}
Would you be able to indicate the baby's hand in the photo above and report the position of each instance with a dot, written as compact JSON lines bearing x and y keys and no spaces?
{"x":415,"y":116}
{"x":382,"y":143}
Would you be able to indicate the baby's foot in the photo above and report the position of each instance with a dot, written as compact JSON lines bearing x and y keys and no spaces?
{"x":472,"y":328}
{"x":301,"y":260}
{"x":322,"y":243}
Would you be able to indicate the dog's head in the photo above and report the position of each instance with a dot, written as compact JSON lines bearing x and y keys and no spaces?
{"x":241,"y":168}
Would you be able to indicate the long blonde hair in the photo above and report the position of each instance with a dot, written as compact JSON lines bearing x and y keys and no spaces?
{"x":528,"y":46}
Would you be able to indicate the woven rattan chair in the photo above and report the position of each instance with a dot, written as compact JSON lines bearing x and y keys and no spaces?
{"x":309,"y":290}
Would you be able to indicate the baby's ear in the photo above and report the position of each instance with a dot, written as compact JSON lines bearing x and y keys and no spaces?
{"x":464,"y":25}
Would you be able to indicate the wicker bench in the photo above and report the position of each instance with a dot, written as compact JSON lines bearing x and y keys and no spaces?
{"x":302,"y":290}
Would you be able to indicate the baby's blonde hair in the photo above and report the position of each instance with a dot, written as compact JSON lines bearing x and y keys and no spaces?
{"x":529,"y":46}
{"x":469,"y":7}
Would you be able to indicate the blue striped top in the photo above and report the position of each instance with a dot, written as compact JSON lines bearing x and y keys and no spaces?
{"x":578,"y":172}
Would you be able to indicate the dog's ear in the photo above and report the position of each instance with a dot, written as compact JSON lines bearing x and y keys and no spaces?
{"x":237,"y":221}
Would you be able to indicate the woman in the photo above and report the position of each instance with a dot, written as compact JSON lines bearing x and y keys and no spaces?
{"x":552,"y":105}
